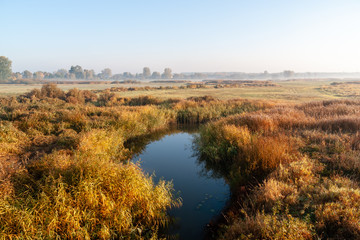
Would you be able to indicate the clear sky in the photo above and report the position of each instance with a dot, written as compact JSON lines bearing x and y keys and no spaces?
{"x":185,"y":35}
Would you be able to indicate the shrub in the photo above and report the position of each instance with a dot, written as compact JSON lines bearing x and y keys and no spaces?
{"x":107,"y":99}
{"x":50,"y":90}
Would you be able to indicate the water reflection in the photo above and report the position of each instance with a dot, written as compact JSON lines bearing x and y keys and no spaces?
{"x":171,"y":156}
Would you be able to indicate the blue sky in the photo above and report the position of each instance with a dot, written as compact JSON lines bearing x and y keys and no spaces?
{"x":187,"y":36}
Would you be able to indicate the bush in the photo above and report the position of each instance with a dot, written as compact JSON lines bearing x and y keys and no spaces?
{"x":50,"y":90}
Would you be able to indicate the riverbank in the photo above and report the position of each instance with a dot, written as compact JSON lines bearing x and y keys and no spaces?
{"x":297,"y":164}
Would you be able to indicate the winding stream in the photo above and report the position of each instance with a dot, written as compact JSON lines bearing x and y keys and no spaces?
{"x":172,"y":157}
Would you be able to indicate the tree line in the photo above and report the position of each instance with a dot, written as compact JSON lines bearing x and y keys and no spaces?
{"x":77,"y":72}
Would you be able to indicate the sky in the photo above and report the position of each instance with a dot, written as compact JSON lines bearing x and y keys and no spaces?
{"x":186,"y":35}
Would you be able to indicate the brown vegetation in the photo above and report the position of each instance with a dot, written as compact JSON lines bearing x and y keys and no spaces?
{"x":64,"y":169}
{"x":306,"y":158}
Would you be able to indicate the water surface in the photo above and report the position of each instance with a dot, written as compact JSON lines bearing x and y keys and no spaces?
{"x":173,"y":158}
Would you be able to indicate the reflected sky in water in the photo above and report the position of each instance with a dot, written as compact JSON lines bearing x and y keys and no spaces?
{"x":172,"y":158}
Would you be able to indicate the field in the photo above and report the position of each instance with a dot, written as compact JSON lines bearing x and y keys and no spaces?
{"x":16,"y":89}
{"x":294,"y":91}
{"x":289,"y":151}
{"x":300,"y":90}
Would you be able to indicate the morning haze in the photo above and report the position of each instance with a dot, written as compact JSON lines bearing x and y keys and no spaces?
{"x":180,"y":119}
{"x":188,"y":36}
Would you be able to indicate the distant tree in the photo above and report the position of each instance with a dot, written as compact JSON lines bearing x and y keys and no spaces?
{"x":61,"y":73}
{"x":199,"y":75}
{"x":288,"y":73}
{"x":77,"y":71}
{"x":17,"y":75}
{"x":146,"y":72}
{"x":139,"y":75}
{"x":39,"y":75}
{"x":167,"y":73}
{"x":89,"y":74}
{"x":178,"y":76}
{"x":48,"y":75}
{"x":5,"y":69}
{"x":27,"y":74}
{"x":127,"y":75}
{"x":265,"y":74}
{"x":106,"y":73}
{"x":117,"y":76}
{"x":155,"y":75}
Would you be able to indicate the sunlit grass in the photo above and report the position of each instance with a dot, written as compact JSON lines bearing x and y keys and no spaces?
{"x":304,"y":160}
{"x":65,"y":172}
{"x":84,"y":197}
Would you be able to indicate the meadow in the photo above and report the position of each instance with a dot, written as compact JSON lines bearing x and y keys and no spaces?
{"x":292,"y":164}
{"x":284,"y":90}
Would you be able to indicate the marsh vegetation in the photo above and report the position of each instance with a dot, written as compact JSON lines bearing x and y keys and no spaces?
{"x":292,"y":168}
{"x":65,"y":172}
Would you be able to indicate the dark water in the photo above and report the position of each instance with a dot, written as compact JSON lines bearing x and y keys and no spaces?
{"x":173,"y":158}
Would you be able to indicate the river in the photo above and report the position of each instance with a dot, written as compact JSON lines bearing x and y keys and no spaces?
{"x":172,"y":157}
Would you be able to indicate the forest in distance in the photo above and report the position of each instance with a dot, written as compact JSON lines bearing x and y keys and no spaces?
{"x":292,"y":166}
{"x":77,"y":72}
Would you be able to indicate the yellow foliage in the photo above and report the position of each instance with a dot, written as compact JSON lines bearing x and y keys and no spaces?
{"x":84,"y":197}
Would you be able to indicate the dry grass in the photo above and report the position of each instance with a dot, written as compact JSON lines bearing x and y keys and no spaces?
{"x":83,"y":197}
{"x":349,"y":89}
{"x":306,"y":160}
{"x":64,"y":171}
{"x":297,"y":90}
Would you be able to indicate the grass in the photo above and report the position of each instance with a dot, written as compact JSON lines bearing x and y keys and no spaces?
{"x":296,"y":90}
{"x":17,"y":89}
{"x":299,"y":165}
{"x":83,"y":197}
{"x":69,"y":176}
{"x":343,"y":89}
{"x":65,"y":172}
{"x":281,"y":92}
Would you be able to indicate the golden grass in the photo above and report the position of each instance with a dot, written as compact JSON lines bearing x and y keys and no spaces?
{"x":64,"y":171}
{"x":66,"y":174}
{"x":83,"y":197}
{"x":12,"y":141}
